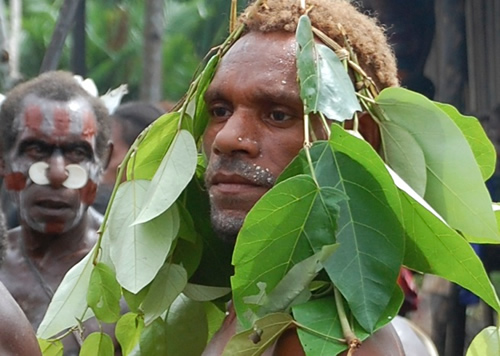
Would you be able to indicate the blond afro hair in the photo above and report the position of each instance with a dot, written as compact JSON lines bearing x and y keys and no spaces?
{"x":367,"y":38}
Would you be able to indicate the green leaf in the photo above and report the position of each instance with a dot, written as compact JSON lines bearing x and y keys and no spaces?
{"x":256,"y":340}
{"x":97,"y":344}
{"x":294,"y":287}
{"x":486,"y":343}
{"x":138,"y":251}
{"x":215,"y":318}
{"x":321,"y":315}
{"x":405,"y":156}
{"x":154,"y":339}
{"x":51,"y":347}
{"x":366,"y":265}
{"x":134,"y":300}
{"x":201,"y":113}
{"x":455,"y":186}
{"x":69,"y":302}
{"x":187,"y":230}
{"x":186,"y":327}
{"x":278,"y":232}
{"x":474,"y":133}
{"x":104,"y":294}
{"x":433,"y":247}
{"x":325,"y":85}
{"x":150,"y":153}
{"x":201,"y":293}
{"x":128,"y":331}
{"x":166,"y":286}
{"x":173,"y":175}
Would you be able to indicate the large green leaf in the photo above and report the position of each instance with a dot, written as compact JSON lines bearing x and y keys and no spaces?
{"x":255,"y":341}
{"x":366,"y":265}
{"x":173,"y":175}
{"x":473,"y":131}
{"x":186,"y":327}
{"x":405,"y":156}
{"x":138,"y":251}
{"x":325,"y":85}
{"x":279,"y":232}
{"x":69,"y":303}
{"x":486,"y":343}
{"x":167,"y":285}
{"x":202,"y":293}
{"x":97,"y":344}
{"x":455,"y":186}
{"x":434,"y":247}
{"x":153,"y":148}
{"x":104,"y":294}
{"x":128,"y":331}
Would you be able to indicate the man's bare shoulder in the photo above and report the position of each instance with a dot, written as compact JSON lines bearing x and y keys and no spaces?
{"x":18,"y":338}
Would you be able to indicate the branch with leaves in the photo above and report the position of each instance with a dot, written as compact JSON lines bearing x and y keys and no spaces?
{"x":321,"y":251}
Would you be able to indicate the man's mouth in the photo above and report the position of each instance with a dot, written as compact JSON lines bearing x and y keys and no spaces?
{"x":52,"y":204}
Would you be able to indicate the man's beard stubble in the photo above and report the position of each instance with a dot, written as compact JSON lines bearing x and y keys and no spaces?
{"x":227,"y":226}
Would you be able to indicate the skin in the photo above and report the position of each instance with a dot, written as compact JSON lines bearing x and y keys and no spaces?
{"x":56,"y":227}
{"x":256,"y":129}
{"x":16,"y":336}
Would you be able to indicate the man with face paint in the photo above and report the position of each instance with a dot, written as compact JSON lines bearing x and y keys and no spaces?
{"x":54,"y":148}
{"x":256,"y":126}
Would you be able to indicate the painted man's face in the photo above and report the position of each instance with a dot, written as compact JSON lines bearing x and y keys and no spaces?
{"x":53,"y":168}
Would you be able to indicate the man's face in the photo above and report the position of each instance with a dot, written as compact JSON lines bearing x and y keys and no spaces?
{"x":55,"y":145}
{"x":256,"y":126}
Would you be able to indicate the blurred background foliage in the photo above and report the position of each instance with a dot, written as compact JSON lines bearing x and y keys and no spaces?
{"x":114,"y":40}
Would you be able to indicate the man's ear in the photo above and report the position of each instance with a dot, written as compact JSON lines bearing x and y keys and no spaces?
{"x":107,"y":155}
{"x":369,"y":130}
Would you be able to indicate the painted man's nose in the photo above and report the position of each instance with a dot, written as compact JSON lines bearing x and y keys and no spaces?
{"x":56,"y":171}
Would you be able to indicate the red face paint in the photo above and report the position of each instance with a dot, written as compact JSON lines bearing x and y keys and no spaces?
{"x":61,"y":121}
{"x":54,"y":227}
{"x":33,"y":117}
{"x":88,"y":192}
{"x":15,"y":181}
{"x":89,"y":125}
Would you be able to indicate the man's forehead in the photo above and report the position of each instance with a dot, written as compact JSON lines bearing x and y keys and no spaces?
{"x":56,"y":118}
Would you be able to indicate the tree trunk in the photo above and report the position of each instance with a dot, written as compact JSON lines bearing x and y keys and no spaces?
{"x":63,"y":26}
{"x":152,"y":74}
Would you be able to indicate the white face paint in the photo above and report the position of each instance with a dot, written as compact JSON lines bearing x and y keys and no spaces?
{"x":77,"y":175}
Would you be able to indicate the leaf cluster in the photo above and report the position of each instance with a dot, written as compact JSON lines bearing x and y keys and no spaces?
{"x":320,"y":251}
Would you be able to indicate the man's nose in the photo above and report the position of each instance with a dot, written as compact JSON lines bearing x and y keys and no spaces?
{"x":56,"y":172}
{"x":237,"y":136}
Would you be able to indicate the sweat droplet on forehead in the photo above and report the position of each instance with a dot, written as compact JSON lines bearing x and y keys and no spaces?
{"x":57,"y":119}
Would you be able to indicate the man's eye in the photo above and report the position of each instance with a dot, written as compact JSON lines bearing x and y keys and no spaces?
{"x":220,"y":112}
{"x":76,"y":154}
{"x":36,"y":151}
{"x":280,"y":116}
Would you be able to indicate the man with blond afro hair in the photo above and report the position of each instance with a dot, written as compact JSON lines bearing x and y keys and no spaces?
{"x":256,"y":124}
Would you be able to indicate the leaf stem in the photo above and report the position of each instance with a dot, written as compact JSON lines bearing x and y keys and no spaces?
{"x":349,"y":335}
{"x":315,"y":332}
{"x":119,"y":175}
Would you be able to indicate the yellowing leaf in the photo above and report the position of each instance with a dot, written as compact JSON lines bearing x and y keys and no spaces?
{"x":486,"y":343}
